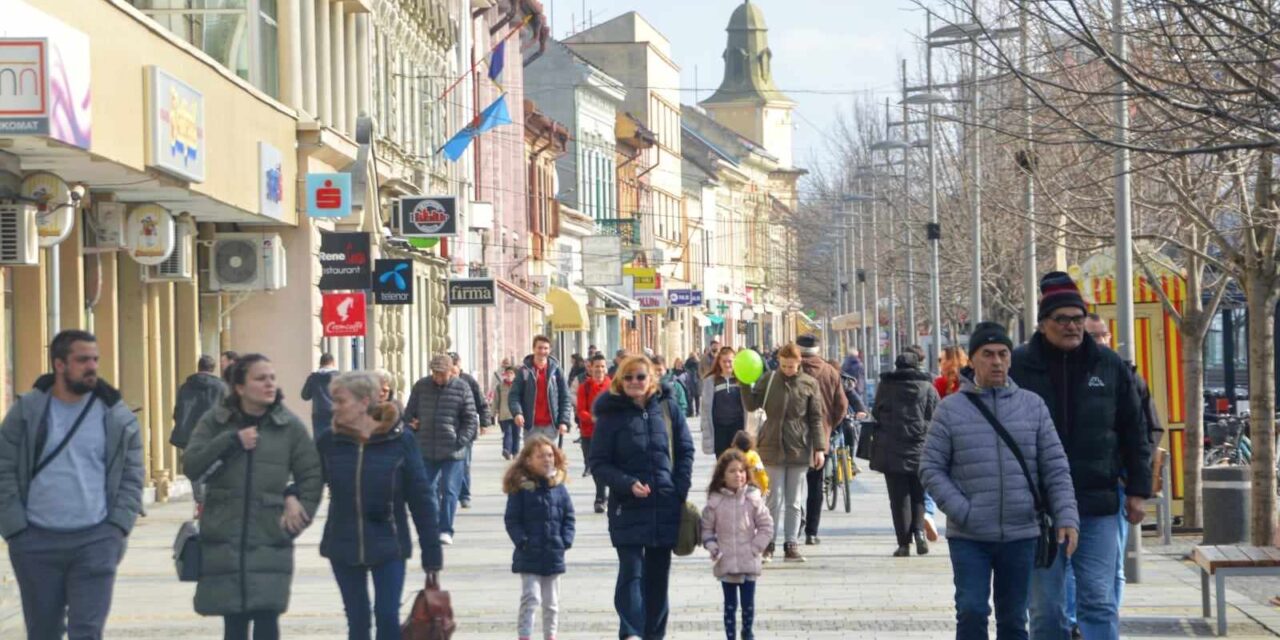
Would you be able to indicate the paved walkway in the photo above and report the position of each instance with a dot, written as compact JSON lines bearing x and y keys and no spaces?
{"x":850,"y":588}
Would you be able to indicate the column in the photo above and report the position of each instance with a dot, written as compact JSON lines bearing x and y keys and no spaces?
{"x":30,"y":331}
{"x":309,"y":80}
{"x":135,"y":365}
{"x":163,"y":357}
{"x":4,"y":349}
{"x":337,"y":65}
{"x":106,"y":323}
{"x":363,"y":66}
{"x":186,"y":325}
{"x":71,"y":278}
{"x":290,"y":17}
{"x":324,"y":81}
{"x":350,"y":64}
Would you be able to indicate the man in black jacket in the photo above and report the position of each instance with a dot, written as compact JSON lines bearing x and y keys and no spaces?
{"x":316,"y":389}
{"x":1096,"y":410}
{"x":443,"y":413}
{"x":202,"y":391}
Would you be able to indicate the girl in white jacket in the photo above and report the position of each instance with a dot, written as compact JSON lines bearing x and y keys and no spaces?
{"x":736,"y":528}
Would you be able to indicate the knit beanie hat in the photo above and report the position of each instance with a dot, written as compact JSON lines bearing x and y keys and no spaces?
{"x":1058,"y":290}
{"x":808,"y":344}
{"x":988,"y":333}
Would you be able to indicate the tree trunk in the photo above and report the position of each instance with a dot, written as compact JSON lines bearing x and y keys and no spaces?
{"x":1193,"y":415}
{"x":1260,"y":296}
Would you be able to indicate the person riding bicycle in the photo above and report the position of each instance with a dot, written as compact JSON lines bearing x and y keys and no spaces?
{"x":834,"y":406}
{"x":904,"y":406}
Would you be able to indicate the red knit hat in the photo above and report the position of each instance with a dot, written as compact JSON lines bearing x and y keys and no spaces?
{"x":1058,"y":290}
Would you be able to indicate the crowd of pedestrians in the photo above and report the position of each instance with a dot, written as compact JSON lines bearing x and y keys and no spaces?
{"x":1038,"y":455}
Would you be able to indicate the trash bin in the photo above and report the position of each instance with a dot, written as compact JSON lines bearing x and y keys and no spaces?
{"x":1227,"y":505}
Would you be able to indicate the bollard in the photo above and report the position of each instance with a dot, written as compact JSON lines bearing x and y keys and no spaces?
{"x":1226,"y":504}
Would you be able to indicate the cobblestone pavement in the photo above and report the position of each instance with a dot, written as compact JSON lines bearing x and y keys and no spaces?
{"x":849,"y":588}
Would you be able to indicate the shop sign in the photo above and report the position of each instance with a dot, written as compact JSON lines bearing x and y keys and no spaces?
{"x":150,"y":234}
{"x":270,"y":181}
{"x":55,"y":214}
{"x":175,"y":126}
{"x":343,"y":315}
{"x":110,"y":225}
{"x":651,"y":301}
{"x":684,"y":297}
{"x":393,"y":282}
{"x":642,"y":278}
{"x":473,"y":292}
{"x":328,"y":195}
{"x":44,"y":76}
{"x":601,"y":261}
{"x":429,"y":217}
{"x":344,"y":261}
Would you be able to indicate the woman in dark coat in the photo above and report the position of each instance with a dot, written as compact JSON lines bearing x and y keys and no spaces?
{"x":904,"y":406}
{"x":643,"y":451}
{"x":251,"y":511}
{"x":373,"y":467}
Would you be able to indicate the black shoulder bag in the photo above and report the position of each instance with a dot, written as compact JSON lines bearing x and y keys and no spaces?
{"x":1047,"y":542}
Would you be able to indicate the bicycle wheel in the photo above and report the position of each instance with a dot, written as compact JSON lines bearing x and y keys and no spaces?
{"x":829,"y":484}
{"x":848,"y":479}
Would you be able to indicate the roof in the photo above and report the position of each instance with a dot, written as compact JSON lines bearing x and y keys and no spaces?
{"x":747,"y":16}
{"x":698,"y":119}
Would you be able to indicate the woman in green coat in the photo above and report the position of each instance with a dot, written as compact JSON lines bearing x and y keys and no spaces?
{"x":254,"y":447}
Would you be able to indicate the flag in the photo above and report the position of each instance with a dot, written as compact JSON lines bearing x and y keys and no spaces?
{"x":493,"y":116}
{"x":497,"y":60}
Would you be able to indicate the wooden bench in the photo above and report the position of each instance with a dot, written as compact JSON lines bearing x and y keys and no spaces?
{"x":1231,"y":560}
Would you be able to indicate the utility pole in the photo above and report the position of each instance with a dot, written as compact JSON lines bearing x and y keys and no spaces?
{"x":935,"y":230}
{"x":893,"y":239}
{"x":1028,"y":164}
{"x":975,"y":170}
{"x":873,"y":348}
{"x":912,"y":332}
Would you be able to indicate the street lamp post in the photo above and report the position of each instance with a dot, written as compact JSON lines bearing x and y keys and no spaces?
{"x":887,"y":145}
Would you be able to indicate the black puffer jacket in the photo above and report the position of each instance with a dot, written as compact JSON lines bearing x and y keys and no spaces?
{"x":1098,"y":416}
{"x":200,"y":393}
{"x":904,"y":406}
{"x":446,"y":415}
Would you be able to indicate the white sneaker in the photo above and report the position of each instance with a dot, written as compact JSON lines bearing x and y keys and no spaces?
{"x":930,"y":529}
{"x":446,"y":539}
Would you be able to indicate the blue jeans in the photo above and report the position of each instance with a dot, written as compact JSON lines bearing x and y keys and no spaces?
{"x":510,"y":437}
{"x":973,"y":565}
{"x":1094,"y":569}
{"x":444,"y":479}
{"x":930,"y":507}
{"x":388,"y":582}
{"x":1122,"y":524}
{"x":641,"y":593}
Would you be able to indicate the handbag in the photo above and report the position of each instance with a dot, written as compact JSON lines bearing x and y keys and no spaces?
{"x":866,"y":441}
{"x":431,"y":617}
{"x":1047,"y":542}
{"x":187,"y":557}
{"x":689,"y":535}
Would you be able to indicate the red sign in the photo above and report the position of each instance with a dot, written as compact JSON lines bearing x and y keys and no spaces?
{"x":343,"y":315}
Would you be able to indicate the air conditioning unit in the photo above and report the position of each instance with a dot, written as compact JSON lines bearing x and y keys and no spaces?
{"x":179,"y":266}
{"x":109,"y":225}
{"x":247,"y":262}
{"x":19,"y":241}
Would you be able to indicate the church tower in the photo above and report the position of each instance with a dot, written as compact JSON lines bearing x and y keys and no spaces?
{"x":747,"y":101}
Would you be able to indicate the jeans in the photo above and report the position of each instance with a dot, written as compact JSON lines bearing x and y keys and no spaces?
{"x":786,"y":491}
{"x":539,"y":592}
{"x":600,"y":485}
{"x":813,"y":501}
{"x":465,"y":493}
{"x":972,"y":564}
{"x":266,"y":625}
{"x":510,"y":437}
{"x":732,"y":590}
{"x":1094,"y":569}
{"x":550,"y":432}
{"x":388,"y":582}
{"x":444,"y":479}
{"x":930,"y":507}
{"x":641,"y":593}
{"x":66,"y":579}
{"x":906,"y":505}
{"x":1122,"y":524}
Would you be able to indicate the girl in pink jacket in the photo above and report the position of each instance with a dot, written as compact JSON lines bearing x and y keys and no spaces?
{"x":736,"y":528}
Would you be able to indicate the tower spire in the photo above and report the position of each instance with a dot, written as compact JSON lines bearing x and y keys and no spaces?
{"x":748,"y":74}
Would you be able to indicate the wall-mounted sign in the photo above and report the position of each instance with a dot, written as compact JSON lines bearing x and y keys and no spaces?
{"x":54,"y":214}
{"x":110,"y":225}
{"x":24,"y":86}
{"x":343,"y":315}
{"x":651,"y":301}
{"x":175,"y":126}
{"x":473,"y":292}
{"x":44,"y":76}
{"x":684,"y":297}
{"x":270,"y":181}
{"x":429,"y":217}
{"x":601,"y":261}
{"x":328,"y":195}
{"x":642,"y":278}
{"x":393,"y":282}
{"x":150,"y":234}
{"x":344,"y":261}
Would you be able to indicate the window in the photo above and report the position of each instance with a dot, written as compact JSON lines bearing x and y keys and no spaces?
{"x":242,"y":35}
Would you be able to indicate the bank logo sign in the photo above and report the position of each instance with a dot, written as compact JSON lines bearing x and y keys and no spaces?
{"x":427,"y":217}
{"x":473,"y":292}
{"x":393,"y":282}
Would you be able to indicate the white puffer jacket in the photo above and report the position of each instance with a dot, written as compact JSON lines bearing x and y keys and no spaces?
{"x":737,"y":525}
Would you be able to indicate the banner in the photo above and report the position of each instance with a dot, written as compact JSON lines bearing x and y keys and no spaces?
{"x":473,"y":292}
{"x":684,"y":297}
{"x":393,"y":282}
{"x":343,"y":315}
{"x":344,"y":261}
{"x":429,"y":217}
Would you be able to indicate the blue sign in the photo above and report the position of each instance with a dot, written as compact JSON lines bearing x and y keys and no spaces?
{"x":684,"y":297}
{"x":393,"y":281}
{"x":328,"y":195}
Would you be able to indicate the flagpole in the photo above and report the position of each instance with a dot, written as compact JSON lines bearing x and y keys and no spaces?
{"x":484,"y":58}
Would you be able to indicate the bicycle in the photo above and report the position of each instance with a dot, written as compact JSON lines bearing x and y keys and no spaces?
{"x":838,"y":472}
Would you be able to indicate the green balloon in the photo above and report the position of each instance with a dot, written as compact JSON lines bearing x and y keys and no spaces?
{"x":747,"y":366}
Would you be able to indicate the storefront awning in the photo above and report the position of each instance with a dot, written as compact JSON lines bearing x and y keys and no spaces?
{"x":569,"y":312}
{"x":804,"y":324}
{"x":624,"y":307}
{"x":847,"y":322}
{"x":716,"y":318}
{"x":703,"y":320}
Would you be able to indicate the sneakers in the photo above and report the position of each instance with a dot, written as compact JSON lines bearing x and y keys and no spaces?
{"x":902,"y":552}
{"x":599,"y":507}
{"x":465,"y":504}
{"x":446,"y":538}
{"x":930,"y":529}
{"x":506,"y":455}
{"x":812,"y":539}
{"x":791,"y":552}
{"x":768,"y":554}
{"x":922,"y":546}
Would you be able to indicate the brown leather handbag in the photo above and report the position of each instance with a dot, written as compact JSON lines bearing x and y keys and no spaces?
{"x":432,"y":615}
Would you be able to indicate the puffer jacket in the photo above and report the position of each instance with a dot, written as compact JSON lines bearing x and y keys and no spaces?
{"x":794,"y":425}
{"x":370,"y":484}
{"x":904,"y":405}
{"x":736,"y":525}
{"x":540,"y":522}
{"x":706,"y":417}
{"x":446,"y":415}
{"x":588,"y":391}
{"x":200,"y":393}
{"x":247,"y":557}
{"x":477,"y":398}
{"x":631,"y":445}
{"x":834,"y":402}
{"x":1098,"y":415}
{"x":975,"y":478}
{"x":524,"y":393}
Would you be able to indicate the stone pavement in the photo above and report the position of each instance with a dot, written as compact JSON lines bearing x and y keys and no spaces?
{"x":850,"y":588}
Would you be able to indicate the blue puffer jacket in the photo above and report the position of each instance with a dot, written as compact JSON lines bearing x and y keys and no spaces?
{"x":974,"y":476}
{"x":369,"y":487}
{"x":540,"y":522}
{"x":630,"y":444}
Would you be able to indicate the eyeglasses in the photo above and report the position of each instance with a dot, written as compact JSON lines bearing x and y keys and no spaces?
{"x":639,"y":377}
{"x":1065,"y":321}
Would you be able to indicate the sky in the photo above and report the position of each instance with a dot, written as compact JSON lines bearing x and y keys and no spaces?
{"x":825,"y":52}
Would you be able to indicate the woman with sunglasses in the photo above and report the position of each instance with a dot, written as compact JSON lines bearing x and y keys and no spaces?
{"x":643,"y":451}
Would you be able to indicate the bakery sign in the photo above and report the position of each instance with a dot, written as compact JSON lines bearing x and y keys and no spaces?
{"x":175,"y":126}
{"x":150,"y":234}
{"x":427,"y":217}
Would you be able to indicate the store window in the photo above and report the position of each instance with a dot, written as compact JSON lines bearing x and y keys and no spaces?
{"x":242,"y":35}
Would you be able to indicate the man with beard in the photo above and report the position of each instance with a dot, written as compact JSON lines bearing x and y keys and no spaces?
{"x":70,"y":491}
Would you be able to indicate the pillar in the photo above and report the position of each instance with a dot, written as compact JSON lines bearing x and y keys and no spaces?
{"x":134,"y":364}
{"x":30,"y":332}
{"x":363,"y":66}
{"x":165,"y":397}
{"x":324,"y":87}
{"x":337,"y":65}
{"x":289,"y":16}
{"x":71,"y":262}
{"x":350,"y":64}
{"x":106,"y":323}
{"x":307,"y":18}
{"x":4,"y":349}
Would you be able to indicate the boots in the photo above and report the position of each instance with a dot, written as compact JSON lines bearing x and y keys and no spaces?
{"x":768,"y":554}
{"x":902,"y":552}
{"x":792,"y":552}
{"x":922,"y":545}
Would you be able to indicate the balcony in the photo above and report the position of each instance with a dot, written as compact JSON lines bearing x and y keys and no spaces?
{"x":626,"y":228}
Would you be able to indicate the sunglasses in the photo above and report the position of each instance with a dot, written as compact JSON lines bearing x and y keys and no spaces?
{"x":639,"y":377}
